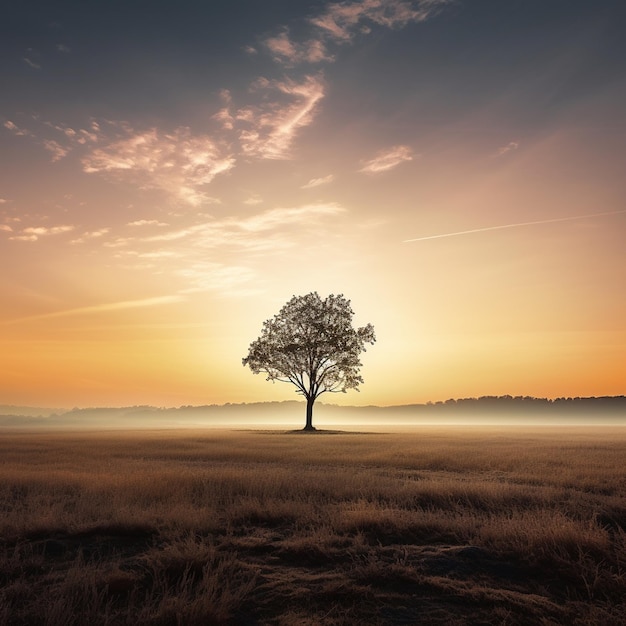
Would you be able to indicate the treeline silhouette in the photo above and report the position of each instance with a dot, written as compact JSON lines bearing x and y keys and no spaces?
{"x":489,"y":409}
{"x":530,"y":403}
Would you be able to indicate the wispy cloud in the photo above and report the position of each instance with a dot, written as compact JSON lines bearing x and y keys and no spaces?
{"x":65,"y":138}
{"x":33,"y":233}
{"x":206,"y":276}
{"x":32,"y":64}
{"x":516,"y":225}
{"x":24,"y":238}
{"x":510,"y":147}
{"x":286,"y":51}
{"x":253,"y":200}
{"x":268,"y":129}
{"x":282,"y":217}
{"x":29,"y":58}
{"x":204,"y":244}
{"x":316,"y":182}
{"x":147,"y":223}
{"x":58,"y":151}
{"x":160,"y":254}
{"x":387,"y":160}
{"x":178,"y":163}
{"x":15,"y":129}
{"x":182,"y":163}
{"x":340,"y":22}
{"x":75,"y":137}
{"x":91,"y":235}
{"x":99,"y":308}
{"x":343,"y":20}
{"x":224,"y":116}
{"x":195,"y":252}
{"x":250,"y":231}
{"x":44,"y":230}
{"x":6,"y":228}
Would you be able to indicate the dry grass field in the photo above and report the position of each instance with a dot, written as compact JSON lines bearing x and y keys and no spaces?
{"x":465,"y":525}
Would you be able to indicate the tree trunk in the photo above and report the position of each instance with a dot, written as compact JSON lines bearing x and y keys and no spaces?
{"x":309,"y":413}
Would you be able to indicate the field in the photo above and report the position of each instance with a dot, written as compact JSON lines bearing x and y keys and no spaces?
{"x":465,"y":525}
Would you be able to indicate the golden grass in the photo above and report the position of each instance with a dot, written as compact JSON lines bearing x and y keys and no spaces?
{"x":471,"y":525}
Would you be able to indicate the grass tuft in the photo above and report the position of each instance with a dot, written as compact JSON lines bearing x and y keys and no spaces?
{"x":179,"y":527}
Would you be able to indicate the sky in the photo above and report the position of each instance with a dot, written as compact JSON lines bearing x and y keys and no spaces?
{"x":171,"y":173}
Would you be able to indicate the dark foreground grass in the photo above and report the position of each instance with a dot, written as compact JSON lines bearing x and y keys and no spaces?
{"x":465,"y":526}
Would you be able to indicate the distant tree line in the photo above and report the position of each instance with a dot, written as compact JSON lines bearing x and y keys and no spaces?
{"x":493,"y":407}
{"x":530,"y":403}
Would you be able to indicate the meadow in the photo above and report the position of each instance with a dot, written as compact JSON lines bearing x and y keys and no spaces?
{"x":430,"y":525}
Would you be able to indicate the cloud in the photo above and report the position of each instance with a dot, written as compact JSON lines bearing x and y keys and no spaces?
{"x":3,"y":200}
{"x":195,"y":252}
{"x":510,"y":147}
{"x":387,"y":160}
{"x":274,"y":218}
{"x":224,"y":116}
{"x":31,"y":63}
{"x":265,"y":231}
{"x":181,"y":164}
{"x":160,"y":254}
{"x":33,"y":233}
{"x":80,"y":136}
{"x":315,"y":51}
{"x":44,"y":230}
{"x":270,"y":128}
{"x":24,"y":238}
{"x":73,"y":138}
{"x":6,"y":228}
{"x":65,"y":139}
{"x":90,"y":235}
{"x":178,"y":163}
{"x":284,"y":50}
{"x":341,"y":21}
{"x":147,"y":223}
{"x":58,"y":151}
{"x":111,"y":306}
{"x":207,"y":276}
{"x":282,"y":47}
{"x":253,"y":199}
{"x":20,"y":132}
{"x":232,"y":230}
{"x":316,"y":182}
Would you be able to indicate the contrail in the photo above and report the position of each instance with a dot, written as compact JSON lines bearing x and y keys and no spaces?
{"x":482,"y":230}
{"x":112,"y":306}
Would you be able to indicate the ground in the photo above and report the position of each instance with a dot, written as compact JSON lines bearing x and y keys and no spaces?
{"x":427,"y":526}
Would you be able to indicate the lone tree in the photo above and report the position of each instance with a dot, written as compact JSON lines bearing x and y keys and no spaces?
{"x":311,"y":344}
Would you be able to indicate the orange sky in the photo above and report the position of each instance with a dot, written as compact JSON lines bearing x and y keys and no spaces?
{"x":150,"y":222}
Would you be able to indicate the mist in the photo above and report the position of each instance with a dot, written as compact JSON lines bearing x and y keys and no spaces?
{"x":487,"y":410}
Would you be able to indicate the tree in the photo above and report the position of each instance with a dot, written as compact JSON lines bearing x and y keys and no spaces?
{"x":311,"y":344}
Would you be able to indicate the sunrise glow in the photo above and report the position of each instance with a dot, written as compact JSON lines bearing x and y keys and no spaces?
{"x":170,"y":180}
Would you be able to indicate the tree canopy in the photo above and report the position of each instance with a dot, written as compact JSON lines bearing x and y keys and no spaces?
{"x":311,"y":343}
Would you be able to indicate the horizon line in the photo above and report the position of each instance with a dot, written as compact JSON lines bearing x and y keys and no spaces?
{"x":340,"y":406}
